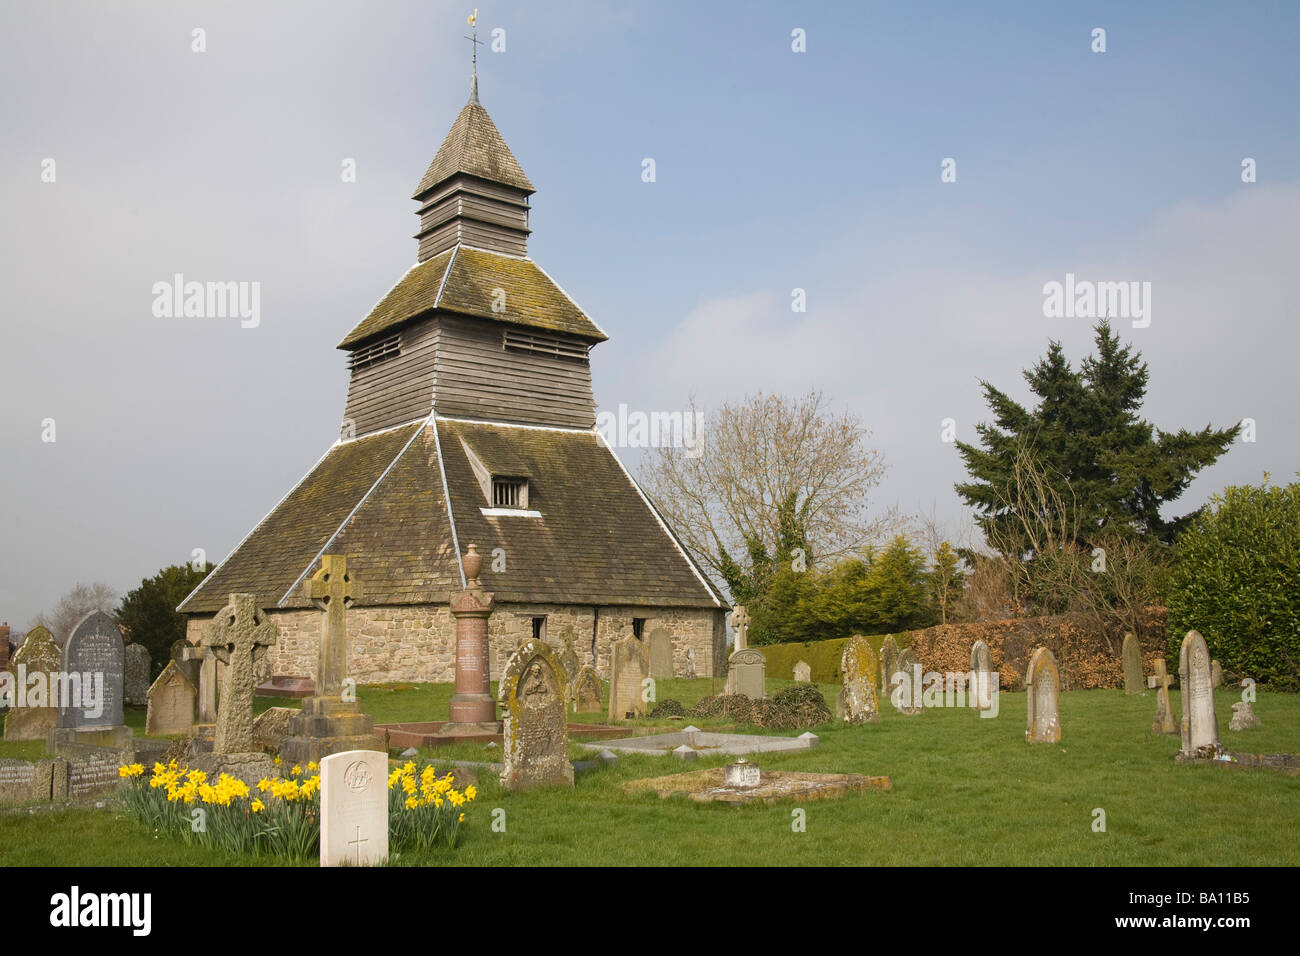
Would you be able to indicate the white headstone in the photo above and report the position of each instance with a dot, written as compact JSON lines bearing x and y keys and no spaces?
{"x":354,"y":808}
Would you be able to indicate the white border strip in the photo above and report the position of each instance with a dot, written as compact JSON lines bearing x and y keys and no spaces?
{"x":339,"y":530}
{"x":446,"y":495}
{"x":509,"y":513}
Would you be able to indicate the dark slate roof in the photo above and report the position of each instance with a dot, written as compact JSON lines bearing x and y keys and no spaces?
{"x":597,"y":540}
{"x":474,"y":147}
{"x":462,"y":280}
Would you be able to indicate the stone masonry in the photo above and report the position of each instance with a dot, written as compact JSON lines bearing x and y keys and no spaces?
{"x":418,"y":643}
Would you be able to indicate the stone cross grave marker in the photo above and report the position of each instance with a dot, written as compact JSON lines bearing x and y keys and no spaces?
{"x":205,"y":663}
{"x":354,"y":808}
{"x":1200,"y":727}
{"x":535,"y":743}
{"x":1164,"y":722}
{"x":1132,"y":655}
{"x":629,"y":664}
{"x":569,"y":661}
{"x":1042,"y":686}
{"x":659,"y":643}
{"x":888,"y":662}
{"x":740,"y":627}
{"x":39,"y":654}
{"x":333,"y":590}
{"x":171,"y":703}
{"x":95,"y":649}
{"x":856,"y":703}
{"x":802,"y":672}
{"x":137,"y":674}
{"x":239,"y":633}
{"x":981,"y":666}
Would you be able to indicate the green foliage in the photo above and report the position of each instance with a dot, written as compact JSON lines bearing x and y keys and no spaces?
{"x":1111,"y":471}
{"x":1236,"y":579}
{"x":149,"y":612}
{"x":822,"y":657}
{"x":792,"y":553}
{"x":945,"y":581}
{"x":883,"y":591}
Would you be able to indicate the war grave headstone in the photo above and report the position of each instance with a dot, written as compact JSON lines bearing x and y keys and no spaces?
{"x":535,"y":745}
{"x":587,"y":690}
{"x":981,"y":666}
{"x":330,"y":722}
{"x":1164,"y":722}
{"x":659,"y":643}
{"x":354,"y":808}
{"x":856,"y":703}
{"x":1132,"y":656}
{"x":92,"y":691}
{"x":1042,"y":686}
{"x":171,"y":700}
{"x":629,"y":664}
{"x":1200,"y":727}
{"x":803,"y":672}
{"x":747,"y":674}
{"x":888,"y":663}
{"x":34,"y":715}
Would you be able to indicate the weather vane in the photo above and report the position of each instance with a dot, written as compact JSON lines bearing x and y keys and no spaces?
{"x":473,"y":21}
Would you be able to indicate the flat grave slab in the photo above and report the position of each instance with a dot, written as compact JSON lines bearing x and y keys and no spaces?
{"x":428,"y":734}
{"x":287,"y":686}
{"x":710,"y":786}
{"x":705,"y":743}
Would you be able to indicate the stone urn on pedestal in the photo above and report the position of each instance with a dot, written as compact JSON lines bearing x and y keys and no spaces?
{"x":473,"y":711}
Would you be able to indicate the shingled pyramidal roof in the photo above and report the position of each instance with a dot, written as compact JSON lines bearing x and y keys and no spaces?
{"x":473,"y":366}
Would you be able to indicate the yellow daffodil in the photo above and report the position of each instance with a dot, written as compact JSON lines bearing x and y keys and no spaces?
{"x":257,"y":806}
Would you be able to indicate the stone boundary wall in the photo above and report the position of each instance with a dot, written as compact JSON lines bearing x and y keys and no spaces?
{"x":418,"y":643}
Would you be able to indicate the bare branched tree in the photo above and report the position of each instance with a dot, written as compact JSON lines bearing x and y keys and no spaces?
{"x":73,"y":606}
{"x":765,"y":468}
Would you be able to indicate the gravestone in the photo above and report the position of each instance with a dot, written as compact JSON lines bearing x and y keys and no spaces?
{"x":38,"y":655}
{"x":354,"y":808}
{"x":535,"y":744}
{"x":1200,"y":727}
{"x":888,"y":662}
{"x":907,"y":700}
{"x":1042,"y":686}
{"x":171,"y":703}
{"x":1132,"y":655}
{"x":660,"y":646}
{"x":802,"y":672}
{"x":1243,"y":716}
{"x":332,"y":721}
{"x":1216,"y":674}
{"x":747,"y":674}
{"x":91,"y":709}
{"x":981,"y":666}
{"x":569,"y":661}
{"x":136,"y":681}
{"x":188,"y":664}
{"x":740,"y":628}
{"x":473,"y":711}
{"x":204,"y":663}
{"x":628,"y":667}
{"x":856,"y":703}
{"x":690,"y":663}
{"x":587,"y":690}
{"x":237,"y":634}
{"x":1164,"y":722}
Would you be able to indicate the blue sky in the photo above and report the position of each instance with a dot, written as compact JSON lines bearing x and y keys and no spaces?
{"x":775,"y":170}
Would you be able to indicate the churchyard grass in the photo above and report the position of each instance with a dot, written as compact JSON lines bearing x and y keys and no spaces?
{"x":967,"y":790}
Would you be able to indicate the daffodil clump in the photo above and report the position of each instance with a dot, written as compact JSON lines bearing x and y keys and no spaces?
{"x":282,"y":819}
{"x":424,"y":810}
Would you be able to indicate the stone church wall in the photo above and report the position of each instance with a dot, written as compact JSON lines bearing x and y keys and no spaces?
{"x":419,"y":643}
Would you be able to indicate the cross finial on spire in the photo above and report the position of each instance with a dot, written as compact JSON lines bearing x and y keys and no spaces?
{"x":473,"y":22}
